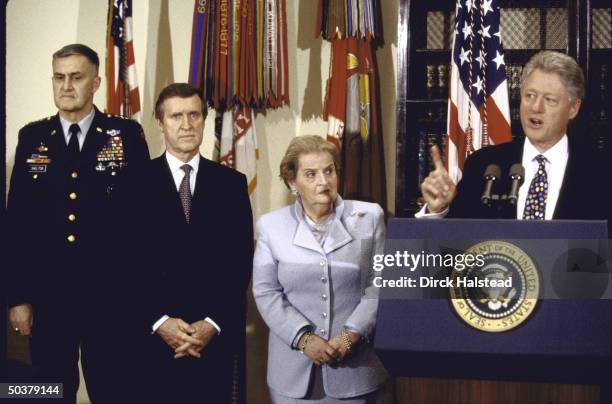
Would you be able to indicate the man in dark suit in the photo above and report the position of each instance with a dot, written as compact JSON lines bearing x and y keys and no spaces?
{"x":203,"y":231}
{"x":62,"y":224}
{"x":560,"y":173}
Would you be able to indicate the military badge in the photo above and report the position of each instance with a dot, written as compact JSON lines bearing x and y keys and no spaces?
{"x":38,"y":162}
{"x":507,"y":304}
{"x":42,"y":148}
{"x":112,"y":155}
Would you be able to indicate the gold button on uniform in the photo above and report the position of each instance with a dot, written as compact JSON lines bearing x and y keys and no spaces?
{"x":73,"y":195}
{"x":71,"y":217}
{"x":74,"y":174}
{"x":35,"y":176}
{"x":71,"y":238}
{"x":113,"y":173}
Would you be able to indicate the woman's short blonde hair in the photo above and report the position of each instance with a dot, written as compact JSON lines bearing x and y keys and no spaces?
{"x":305,"y":145}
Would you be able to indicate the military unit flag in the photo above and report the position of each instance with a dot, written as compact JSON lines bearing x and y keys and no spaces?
{"x":236,"y":145}
{"x":350,"y":107}
{"x":239,"y":53}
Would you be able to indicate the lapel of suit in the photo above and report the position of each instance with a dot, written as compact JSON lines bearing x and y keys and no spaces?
{"x":337,"y":237}
{"x":303,"y":236}
{"x":168,"y":188}
{"x":56,"y":142}
{"x":563,"y":207}
{"x":201,"y":198}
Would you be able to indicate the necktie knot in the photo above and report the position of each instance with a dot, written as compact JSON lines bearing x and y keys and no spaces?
{"x":74,"y":129}
{"x":541,"y":159}
{"x":73,"y":143}
{"x":186,"y":168}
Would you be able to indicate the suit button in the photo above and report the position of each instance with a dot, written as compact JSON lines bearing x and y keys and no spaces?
{"x":323,"y":296}
{"x":323,"y":279}
{"x":323,"y":332}
{"x":113,"y":173}
{"x":72,"y":195}
{"x":35,"y":176}
{"x":71,"y":238}
{"x":71,"y":217}
{"x":322,"y":263}
{"x":74,"y":174}
{"x":324,"y":315}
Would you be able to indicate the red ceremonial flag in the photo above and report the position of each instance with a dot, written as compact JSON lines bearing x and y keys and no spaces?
{"x":122,"y":85}
{"x":478,"y":110}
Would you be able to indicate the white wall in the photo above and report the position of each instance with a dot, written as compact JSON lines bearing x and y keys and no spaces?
{"x":162,"y":38}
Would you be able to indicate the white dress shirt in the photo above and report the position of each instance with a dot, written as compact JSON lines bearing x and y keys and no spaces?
{"x":84,"y":125}
{"x":178,"y":174}
{"x":555,"y":166}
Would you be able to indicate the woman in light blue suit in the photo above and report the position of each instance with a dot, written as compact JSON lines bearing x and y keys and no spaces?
{"x":312,"y":284}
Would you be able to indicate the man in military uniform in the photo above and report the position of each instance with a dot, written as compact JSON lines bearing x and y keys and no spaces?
{"x":65,"y":225}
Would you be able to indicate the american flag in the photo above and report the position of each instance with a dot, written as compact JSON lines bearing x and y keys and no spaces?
{"x":478,"y":110}
{"x":122,"y":85}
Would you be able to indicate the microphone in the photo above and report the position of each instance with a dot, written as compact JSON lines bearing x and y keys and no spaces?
{"x":517,"y":175}
{"x":491,"y":174}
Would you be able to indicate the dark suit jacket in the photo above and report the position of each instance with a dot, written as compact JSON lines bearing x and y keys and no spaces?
{"x":44,"y":263}
{"x":196,"y":270}
{"x":583,"y":194}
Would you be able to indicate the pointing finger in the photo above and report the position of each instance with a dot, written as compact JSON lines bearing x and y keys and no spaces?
{"x":437,"y":160}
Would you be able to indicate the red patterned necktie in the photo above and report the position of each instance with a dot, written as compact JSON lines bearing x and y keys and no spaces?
{"x":535,"y":205}
{"x":185,"y":192}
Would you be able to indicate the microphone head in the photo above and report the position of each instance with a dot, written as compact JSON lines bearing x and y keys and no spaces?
{"x":492,"y":172}
{"x":517,"y":171}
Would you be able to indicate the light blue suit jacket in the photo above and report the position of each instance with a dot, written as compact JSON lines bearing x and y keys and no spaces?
{"x":298,"y":283}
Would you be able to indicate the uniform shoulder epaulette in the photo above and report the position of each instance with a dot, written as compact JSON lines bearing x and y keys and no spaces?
{"x":39,"y":121}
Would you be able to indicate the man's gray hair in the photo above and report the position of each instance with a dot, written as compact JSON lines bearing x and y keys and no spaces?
{"x":565,"y":66}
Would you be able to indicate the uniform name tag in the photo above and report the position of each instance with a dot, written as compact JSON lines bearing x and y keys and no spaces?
{"x":37,"y":168}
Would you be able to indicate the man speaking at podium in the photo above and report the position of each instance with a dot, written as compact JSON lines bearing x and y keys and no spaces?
{"x":560,"y":175}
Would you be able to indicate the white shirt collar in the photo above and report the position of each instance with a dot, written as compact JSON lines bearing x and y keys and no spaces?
{"x":84,"y":124}
{"x":176,"y":164}
{"x":554,"y":155}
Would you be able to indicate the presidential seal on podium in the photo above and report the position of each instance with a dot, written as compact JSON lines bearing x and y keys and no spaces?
{"x":500,"y":294}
